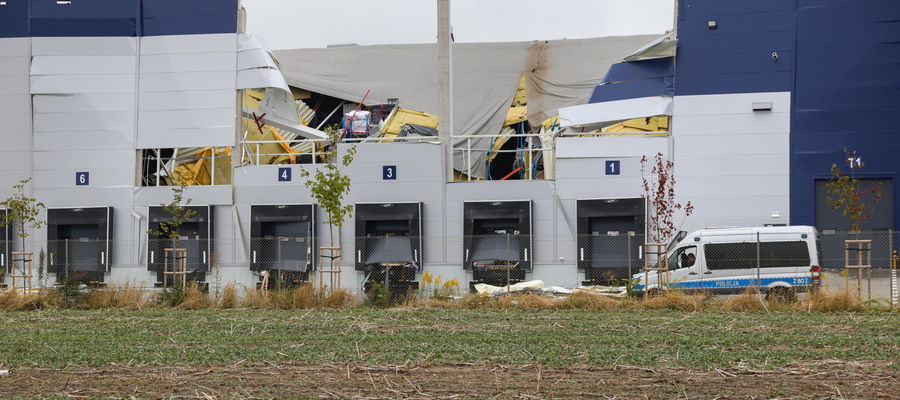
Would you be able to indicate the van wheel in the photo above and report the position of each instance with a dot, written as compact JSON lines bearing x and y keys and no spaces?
{"x":780,"y":295}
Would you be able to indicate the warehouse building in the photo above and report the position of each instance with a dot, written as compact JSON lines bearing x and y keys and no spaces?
{"x":107,"y":104}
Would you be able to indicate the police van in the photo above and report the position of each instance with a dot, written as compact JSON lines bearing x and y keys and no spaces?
{"x":778,"y":260}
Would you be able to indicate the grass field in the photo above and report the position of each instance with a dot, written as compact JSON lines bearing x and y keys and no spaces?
{"x":433,"y":352}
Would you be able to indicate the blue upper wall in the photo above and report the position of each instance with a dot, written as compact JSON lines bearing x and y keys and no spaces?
{"x":840,"y":59}
{"x":847,"y":94}
{"x":736,"y":56}
{"x":85,"y":18}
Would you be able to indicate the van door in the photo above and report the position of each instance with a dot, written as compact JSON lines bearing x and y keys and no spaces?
{"x":684,"y":267}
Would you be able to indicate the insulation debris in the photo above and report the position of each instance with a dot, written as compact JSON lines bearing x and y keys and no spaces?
{"x":535,"y":285}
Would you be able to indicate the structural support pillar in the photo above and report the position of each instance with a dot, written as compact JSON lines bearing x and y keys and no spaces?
{"x":445,"y":84}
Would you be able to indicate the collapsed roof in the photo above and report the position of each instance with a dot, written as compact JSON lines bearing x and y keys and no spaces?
{"x":559,"y":73}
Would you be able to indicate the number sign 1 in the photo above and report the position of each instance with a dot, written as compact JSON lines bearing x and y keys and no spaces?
{"x":284,"y":174}
{"x":82,"y":178}
{"x":389,"y":172}
{"x":612,"y":167}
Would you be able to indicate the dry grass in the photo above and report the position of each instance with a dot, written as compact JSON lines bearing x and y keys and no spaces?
{"x":229,"y":297}
{"x":256,"y":298}
{"x":42,"y":300}
{"x":524,"y":302}
{"x":582,"y":300}
{"x":126,"y":296}
{"x":828,"y":301}
{"x":674,"y":300}
{"x":195,"y":298}
{"x":749,"y":300}
{"x":304,"y":296}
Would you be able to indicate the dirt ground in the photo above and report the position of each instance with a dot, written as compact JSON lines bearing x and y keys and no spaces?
{"x":823,"y":380}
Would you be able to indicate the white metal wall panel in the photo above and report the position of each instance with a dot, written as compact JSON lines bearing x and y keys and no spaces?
{"x":84,"y":118}
{"x":82,"y":65}
{"x":187,"y":92}
{"x":732,"y":162}
{"x":187,"y":81}
{"x":85,"y":102}
{"x":82,"y":46}
{"x":71,"y":84}
{"x":15,"y":111}
{"x":191,"y":62}
{"x":179,"y":44}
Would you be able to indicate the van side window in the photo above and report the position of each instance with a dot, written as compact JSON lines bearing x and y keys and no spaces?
{"x":683,"y":258}
{"x":743,"y":255}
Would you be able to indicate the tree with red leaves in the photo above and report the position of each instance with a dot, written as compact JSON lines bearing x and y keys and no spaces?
{"x":659,"y":193}
{"x":845,"y":195}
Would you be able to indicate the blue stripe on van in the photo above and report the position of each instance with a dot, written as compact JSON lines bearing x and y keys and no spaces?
{"x":725,"y":283}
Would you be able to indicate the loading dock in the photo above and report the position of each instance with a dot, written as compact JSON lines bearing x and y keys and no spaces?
{"x":610,"y":234}
{"x":389,"y":244}
{"x":497,"y":241}
{"x":283,"y":242}
{"x":79,"y":244}
{"x":196,"y":236}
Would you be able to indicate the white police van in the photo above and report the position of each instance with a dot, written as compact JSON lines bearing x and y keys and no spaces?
{"x":778,"y":260}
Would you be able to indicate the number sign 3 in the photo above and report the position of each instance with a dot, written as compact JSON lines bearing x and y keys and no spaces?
{"x":389,"y":172}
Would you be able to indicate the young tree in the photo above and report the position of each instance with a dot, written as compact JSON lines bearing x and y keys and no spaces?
{"x":846,"y":196}
{"x":659,"y":193}
{"x":22,"y":211}
{"x":329,"y":185}
{"x":178,"y":214}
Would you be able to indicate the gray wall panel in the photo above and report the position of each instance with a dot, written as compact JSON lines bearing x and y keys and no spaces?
{"x":66,"y":84}
{"x":86,"y":159}
{"x":84,"y":46}
{"x":84,"y":102}
{"x":83,"y":121}
{"x":200,"y":195}
{"x":187,"y":81}
{"x":85,"y":140}
{"x":178,"y":44}
{"x":189,"y":62}
{"x":179,"y":100}
{"x":83,"y":65}
{"x":14,"y":104}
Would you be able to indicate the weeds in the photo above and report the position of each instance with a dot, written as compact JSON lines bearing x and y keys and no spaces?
{"x":229,"y":297}
{"x":126,"y":297}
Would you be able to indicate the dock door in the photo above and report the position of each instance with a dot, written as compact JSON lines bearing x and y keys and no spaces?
{"x":610,"y":234}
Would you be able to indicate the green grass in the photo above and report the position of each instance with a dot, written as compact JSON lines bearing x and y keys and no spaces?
{"x":709,"y":339}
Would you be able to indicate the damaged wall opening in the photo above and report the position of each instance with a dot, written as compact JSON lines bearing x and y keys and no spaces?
{"x":610,"y":234}
{"x":78,"y":244}
{"x":194,"y":166}
{"x":196,"y":236}
{"x":389,"y":244}
{"x":497,"y":241}
{"x":282,"y":242}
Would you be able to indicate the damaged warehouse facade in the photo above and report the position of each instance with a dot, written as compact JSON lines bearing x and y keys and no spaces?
{"x":108,"y":104}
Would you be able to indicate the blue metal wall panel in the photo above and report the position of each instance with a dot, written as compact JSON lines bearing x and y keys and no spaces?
{"x":632,"y":89}
{"x":629,"y":71}
{"x":736,"y":57}
{"x":847,"y":94}
{"x":85,"y":18}
{"x":189,"y":17}
{"x":14,"y":19}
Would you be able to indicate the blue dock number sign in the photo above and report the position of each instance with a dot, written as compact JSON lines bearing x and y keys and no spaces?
{"x":82,"y":178}
{"x":612,"y":167}
{"x":284,"y":174}
{"x":389,"y":172}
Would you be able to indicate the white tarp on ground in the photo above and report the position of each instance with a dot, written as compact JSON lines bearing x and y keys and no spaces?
{"x":598,"y":115}
{"x":559,"y":73}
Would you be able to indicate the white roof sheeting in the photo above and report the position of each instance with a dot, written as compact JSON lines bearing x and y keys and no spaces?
{"x":559,"y":73}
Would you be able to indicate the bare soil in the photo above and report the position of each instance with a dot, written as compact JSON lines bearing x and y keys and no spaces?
{"x":821,"y":380}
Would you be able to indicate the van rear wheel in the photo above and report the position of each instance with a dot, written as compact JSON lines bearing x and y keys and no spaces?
{"x":780,"y":295}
